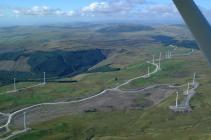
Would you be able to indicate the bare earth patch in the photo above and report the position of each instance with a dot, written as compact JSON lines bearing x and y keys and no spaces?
{"x":110,"y":101}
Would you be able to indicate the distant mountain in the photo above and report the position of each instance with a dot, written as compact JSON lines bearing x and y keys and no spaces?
{"x":124,"y":28}
{"x":61,"y":50}
{"x":54,"y":63}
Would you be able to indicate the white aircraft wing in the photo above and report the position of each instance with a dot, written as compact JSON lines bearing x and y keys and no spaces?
{"x":197,"y":23}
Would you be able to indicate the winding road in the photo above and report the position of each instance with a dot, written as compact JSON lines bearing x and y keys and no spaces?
{"x":11,"y":115}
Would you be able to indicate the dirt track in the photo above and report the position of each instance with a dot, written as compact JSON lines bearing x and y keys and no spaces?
{"x":107,"y":100}
{"x":111,"y":100}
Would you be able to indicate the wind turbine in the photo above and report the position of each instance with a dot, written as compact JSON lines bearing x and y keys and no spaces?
{"x":160,"y":57}
{"x":24,"y":121}
{"x":153,"y":59}
{"x":194,"y":79}
{"x":44,"y":78}
{"x":14,"y":85}
{"x":188,"y":88}
{"x":177,"y":99}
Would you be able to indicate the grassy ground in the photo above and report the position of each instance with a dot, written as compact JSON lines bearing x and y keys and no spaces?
{"x":150,"y":124}
{"x":169,"y":74}
{"x":154,"y":123}
{"x":92,"y":83}
{"x":157,"y":123}
{"x":178,"y":70}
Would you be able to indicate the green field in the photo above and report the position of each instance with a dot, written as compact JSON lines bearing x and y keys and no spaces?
{"x":92,"y":83}
{"x":127,"y":58}
{"x":130,"y":62}
{"x":151,"y":124}
{"x":154,"y":123}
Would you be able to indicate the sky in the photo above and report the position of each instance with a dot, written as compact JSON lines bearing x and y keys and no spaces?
{"x":28,"y":12}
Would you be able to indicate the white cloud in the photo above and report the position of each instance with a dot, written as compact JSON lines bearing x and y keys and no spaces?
{"x":158,"y":10}
{"x":70,"y":13}
{"x":64,"y":13}
{"x":96,"y":7}
{"x":107,"y":8}
{"x":42,"y":11}
{"x":129,"y":8}
{"x":141,"y":9}
{"x":111,"y":7}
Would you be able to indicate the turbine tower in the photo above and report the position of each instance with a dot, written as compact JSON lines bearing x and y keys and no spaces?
{"x":159,"y":60}
{"x":44,"y":79}
{"x":194,"y":79}
{"x":14,"y":85}
{"x":24,"y":121}
{"x":168,"y":54}
{"x":153,"y":59}
{"x":177,"y":99}
{"x":188,"y":89}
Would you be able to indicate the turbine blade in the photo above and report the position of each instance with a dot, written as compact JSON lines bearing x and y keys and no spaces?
{"x":197,"y":23}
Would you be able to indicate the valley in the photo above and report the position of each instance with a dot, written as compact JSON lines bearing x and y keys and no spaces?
{"x":113,"y":63}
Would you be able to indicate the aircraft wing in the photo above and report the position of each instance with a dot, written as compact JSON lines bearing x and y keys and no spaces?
{"x":197,"y":23}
